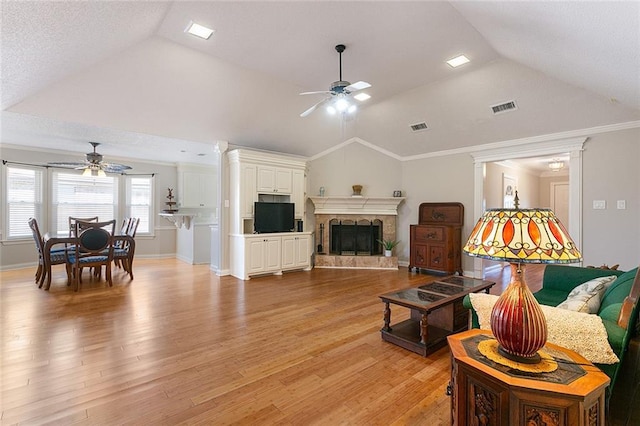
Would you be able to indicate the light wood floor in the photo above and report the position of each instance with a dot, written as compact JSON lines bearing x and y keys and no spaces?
{"x":180,"y":345}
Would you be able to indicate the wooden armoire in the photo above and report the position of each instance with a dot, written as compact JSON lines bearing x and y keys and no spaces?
{"x":436,"y":241}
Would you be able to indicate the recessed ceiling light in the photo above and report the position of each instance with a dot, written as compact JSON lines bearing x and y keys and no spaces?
{"x":457,"y":61}
{"x":361,"y":96}
{"x":199,"y":30}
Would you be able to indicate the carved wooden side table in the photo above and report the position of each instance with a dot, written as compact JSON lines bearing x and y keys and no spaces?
{"x":484,"y":392}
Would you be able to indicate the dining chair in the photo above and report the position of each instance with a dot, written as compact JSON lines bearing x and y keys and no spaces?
{"x":124,"y":230}
{"x":93,"y":248}
{"x":125,"y":247}
{"x":73,"y":220}
{"x":55,"y":256}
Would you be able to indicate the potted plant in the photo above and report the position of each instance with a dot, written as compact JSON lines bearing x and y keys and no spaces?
{"x":388,"y":246}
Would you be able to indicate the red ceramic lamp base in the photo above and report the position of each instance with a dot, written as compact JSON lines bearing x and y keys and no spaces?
{"x":517,"y":321}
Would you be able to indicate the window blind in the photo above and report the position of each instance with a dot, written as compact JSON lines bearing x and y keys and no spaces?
{"x":82,"y":196}
{"x":24,"y":200}
{"x":140,"y":201}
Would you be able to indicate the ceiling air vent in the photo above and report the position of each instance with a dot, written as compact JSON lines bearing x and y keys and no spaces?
{"x":418,"y":127}
{"x":505,"y":107}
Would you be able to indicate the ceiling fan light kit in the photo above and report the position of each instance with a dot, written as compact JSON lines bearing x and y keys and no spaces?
{"x":93,"y":165}
{"x":340,"y":98}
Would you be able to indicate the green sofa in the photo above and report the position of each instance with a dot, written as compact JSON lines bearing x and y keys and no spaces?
{"x":557,"y":283}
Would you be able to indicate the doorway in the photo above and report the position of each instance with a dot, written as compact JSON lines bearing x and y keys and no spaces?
{"x":520,"y":150}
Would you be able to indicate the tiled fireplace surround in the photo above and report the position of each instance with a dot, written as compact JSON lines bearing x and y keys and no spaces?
{"x":355,"y":209}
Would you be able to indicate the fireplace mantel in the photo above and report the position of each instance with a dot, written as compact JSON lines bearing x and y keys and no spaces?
{"x":357,"y":205}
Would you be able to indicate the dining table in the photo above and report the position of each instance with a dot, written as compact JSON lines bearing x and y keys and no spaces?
{"x":51,"y":240}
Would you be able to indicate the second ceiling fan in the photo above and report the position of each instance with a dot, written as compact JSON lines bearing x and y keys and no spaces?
{"x":339,"y":99}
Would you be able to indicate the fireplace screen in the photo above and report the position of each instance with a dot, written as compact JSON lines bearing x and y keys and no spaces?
{"x":348,"y":237}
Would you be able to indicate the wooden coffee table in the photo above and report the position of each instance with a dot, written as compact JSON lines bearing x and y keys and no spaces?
{"x":436,"y":312}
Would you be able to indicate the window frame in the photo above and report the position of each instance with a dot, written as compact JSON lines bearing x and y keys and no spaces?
{"x":40,"y":213}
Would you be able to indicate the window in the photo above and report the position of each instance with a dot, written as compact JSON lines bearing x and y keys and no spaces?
{"x":82,"y":196}
{"x":24,"y":200}
{"x":140,"y":201}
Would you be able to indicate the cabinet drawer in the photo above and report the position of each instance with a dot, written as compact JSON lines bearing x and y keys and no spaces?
{"x":429,"y":233}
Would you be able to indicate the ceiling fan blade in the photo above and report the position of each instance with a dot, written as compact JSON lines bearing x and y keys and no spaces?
{"x":313,"y":108}
{"x":114,"y":168}
{"x":325,"y":92}
{"x":358,"y":85}
{"x":68,"y":165}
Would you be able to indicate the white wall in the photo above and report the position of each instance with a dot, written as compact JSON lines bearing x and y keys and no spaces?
{"x":432,"y":180}
{"x":527,"y":186}
{"x":611,"y":172}
{"x":354,"y":164}
{"x":545,"y":187}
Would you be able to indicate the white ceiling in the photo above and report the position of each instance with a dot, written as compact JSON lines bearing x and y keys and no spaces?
{"x":125,"y":74}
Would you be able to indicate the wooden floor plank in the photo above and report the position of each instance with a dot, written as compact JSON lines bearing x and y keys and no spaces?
{"x":181,"y":345}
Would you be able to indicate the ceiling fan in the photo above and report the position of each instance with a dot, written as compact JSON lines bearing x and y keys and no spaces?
{"x":340,"y":91}
{"x":93,"y":165}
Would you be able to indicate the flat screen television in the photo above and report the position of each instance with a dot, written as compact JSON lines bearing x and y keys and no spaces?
{"x":273,"y":217}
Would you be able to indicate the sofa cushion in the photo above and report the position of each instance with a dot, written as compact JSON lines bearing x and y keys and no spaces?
{"x":620,"y":289}
{"x":550,"y":297}
{"x":611,"y":312}
{"x":565,"y":277}
{"x":586,"y":297}
{"x":615,"y":335}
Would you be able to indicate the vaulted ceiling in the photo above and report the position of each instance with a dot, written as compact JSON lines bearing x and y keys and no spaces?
{"x":127,"y":75}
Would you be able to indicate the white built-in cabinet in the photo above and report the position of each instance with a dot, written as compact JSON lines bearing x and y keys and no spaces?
{"x":196,"y":187}
{"x":257,"y":254}
{"x":252,"y":176}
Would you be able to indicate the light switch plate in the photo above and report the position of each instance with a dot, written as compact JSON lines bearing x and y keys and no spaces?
{"x":599,"y":204}
{"x":622,"y":204}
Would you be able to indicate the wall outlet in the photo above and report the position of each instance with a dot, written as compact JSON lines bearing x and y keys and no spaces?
{"x":599,"y":204}
{"x":622,"y":204}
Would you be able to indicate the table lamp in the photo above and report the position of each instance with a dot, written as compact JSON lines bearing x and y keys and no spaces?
{"x":520,"y":236}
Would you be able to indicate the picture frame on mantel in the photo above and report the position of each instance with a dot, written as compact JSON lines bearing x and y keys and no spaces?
{"x":509,"y":187}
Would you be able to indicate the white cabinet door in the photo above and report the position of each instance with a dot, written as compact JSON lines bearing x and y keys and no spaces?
{"x":198,"y":190}
{"x":289,"y":252}
{"x":266,"y":179}
{"x":303,"y":251}
{"x":298,"y":193}
{"x":273,"y":180}
{"x":296,"y":252}
{"x":283,"y":181}
{"x":255,"y":255}
{"x":190,"y":189}
{"x":262,"y":254}
{"x":273,"y":253}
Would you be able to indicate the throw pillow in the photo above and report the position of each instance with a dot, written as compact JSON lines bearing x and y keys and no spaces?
{"x":586,"y":297}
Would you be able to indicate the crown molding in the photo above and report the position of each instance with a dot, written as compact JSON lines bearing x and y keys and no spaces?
{"x":554,"y":142}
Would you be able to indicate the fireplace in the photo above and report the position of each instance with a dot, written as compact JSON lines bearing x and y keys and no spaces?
{"x":355,"y":238}
{"x":348,"y":230}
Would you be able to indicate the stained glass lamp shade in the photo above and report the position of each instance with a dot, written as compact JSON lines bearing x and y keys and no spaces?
{"x":520,"y":236}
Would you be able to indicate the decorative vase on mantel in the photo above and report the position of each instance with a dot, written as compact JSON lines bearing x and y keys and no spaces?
{"x":388,"y":253}
{"x":357,"y":190}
